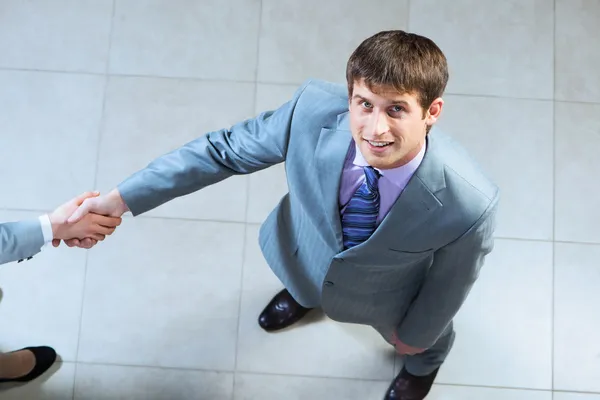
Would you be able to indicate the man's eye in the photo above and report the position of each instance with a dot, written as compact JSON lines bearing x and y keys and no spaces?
{"x":366,"y":104}
{"x":397,"y":109}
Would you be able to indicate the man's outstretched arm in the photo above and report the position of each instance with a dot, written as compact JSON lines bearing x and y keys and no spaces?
{"x":246,"y":147}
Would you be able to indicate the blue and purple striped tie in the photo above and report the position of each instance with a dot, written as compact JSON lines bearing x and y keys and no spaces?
{"x":359,"y":219}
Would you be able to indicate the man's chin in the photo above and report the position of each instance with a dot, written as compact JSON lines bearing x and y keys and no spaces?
{"x":378,"y":163}
{"x":385,"y":163}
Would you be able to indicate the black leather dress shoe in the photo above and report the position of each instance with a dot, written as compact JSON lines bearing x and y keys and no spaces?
{"x":281,"y":312}
{"x":44,"y":358}
{"x":410,"y":387}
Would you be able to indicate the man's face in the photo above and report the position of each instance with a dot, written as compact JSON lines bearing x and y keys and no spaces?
{"x":389,"y":127}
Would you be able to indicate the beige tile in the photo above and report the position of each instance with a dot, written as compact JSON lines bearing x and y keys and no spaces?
{"x":577,"y":170}
{"x":272,"y":96}
{"x":62,"y":35}
{"x":50,"y":124}
{"x":55,"y":384}
{"x":576,"y":321}
{"x":314,"y":39}
{"x":513,"y":141}
{"x":577,"y":50}
{"x":443,"y":392}
{"x":210,"y":39}
{"x":576,"y":396}
{"x":164,"y":293}
{"x":504,"y":330}
{"x":276,"y":387}
{"x":107,"y":382}
{"x":493,"y":48}
{"x":147,"y":117}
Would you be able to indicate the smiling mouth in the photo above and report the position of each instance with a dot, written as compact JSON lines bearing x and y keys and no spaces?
{"x":378,"y":143}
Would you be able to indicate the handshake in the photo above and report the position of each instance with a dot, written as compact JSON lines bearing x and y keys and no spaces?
{"x":87,"y":219}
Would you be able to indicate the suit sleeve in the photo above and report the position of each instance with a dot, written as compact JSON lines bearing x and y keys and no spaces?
{"x":19,"y":240}
{"x":244,"y":148}
{"x":454,"y":270}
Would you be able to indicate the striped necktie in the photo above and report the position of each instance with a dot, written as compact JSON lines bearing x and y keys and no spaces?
{"x":359,"y":219}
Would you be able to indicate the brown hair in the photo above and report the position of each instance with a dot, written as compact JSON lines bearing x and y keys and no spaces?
{"x":407,"y":62}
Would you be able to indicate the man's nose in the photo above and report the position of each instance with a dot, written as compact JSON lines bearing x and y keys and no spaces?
{"x":381,"y":125}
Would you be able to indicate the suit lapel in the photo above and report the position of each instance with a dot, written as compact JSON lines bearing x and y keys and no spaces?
{"x":330,"y":155}
{"x":417,"y":202}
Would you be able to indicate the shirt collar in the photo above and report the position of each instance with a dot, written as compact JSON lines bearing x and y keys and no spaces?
{"x":397,"y":175}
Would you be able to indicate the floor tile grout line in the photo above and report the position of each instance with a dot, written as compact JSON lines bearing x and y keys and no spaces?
{"x":257,"y":64}
{"x":521,"y":239}
{"x":141,"y":76}
{"x":578,"y":102}
{"x":258,"y":224}
{"x":50,"y":71}
{"x":80,"y":322}
{"x":97,"y":161}
{"x":524,"y":389}
{"x":553,"y":304}
{"x":548,"y":241}
{"x":241,"y":288}
{"x":110,"y":38}
{"x":323,"y":377}
{"x":104,"y":99}
{"x":275,"y":83}
{"x":248,"y":187}
{"x":125,"y":365}
{"x":574,"y":392}
{"x":144,"y":216}
{"x":498,"y":97}
{"x":408,"y":5}
{"x":88,"y":251}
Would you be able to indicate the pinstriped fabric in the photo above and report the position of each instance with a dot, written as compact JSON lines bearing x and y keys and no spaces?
{"x":359,"y":219}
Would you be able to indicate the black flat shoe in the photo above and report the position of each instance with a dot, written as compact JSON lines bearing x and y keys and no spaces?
{"x":44,"y":358}
{"x":281,"y":312}
{"x":409,"y":387}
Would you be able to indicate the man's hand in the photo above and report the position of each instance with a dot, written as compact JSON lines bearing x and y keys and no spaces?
{"x":404,"y":349}
{"x":111,"y":205}
{"x":88,"y":231}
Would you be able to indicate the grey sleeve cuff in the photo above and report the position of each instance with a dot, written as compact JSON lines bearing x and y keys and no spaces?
{"x":19,"y":240}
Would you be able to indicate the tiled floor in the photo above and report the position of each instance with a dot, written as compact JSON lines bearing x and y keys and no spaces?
{"x":92,"y":90}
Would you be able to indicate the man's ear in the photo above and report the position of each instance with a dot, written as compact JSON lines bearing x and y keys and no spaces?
{"x":434,"y":111}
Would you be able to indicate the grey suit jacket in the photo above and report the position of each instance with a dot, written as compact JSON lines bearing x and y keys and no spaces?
{"x":415,"y":271}
{"x":20,"y":240}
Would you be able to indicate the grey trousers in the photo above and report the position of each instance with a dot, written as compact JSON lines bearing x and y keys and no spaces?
{"x":425,"y":363}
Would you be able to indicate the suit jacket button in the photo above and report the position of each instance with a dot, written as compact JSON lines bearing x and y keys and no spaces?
{"x":328,"y":283}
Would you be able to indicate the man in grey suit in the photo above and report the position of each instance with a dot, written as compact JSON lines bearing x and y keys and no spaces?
{"x":387,"y":220}
{"x":22,"y":240}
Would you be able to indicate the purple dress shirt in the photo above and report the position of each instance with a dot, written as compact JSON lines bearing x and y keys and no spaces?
{"x":391,"y":183}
